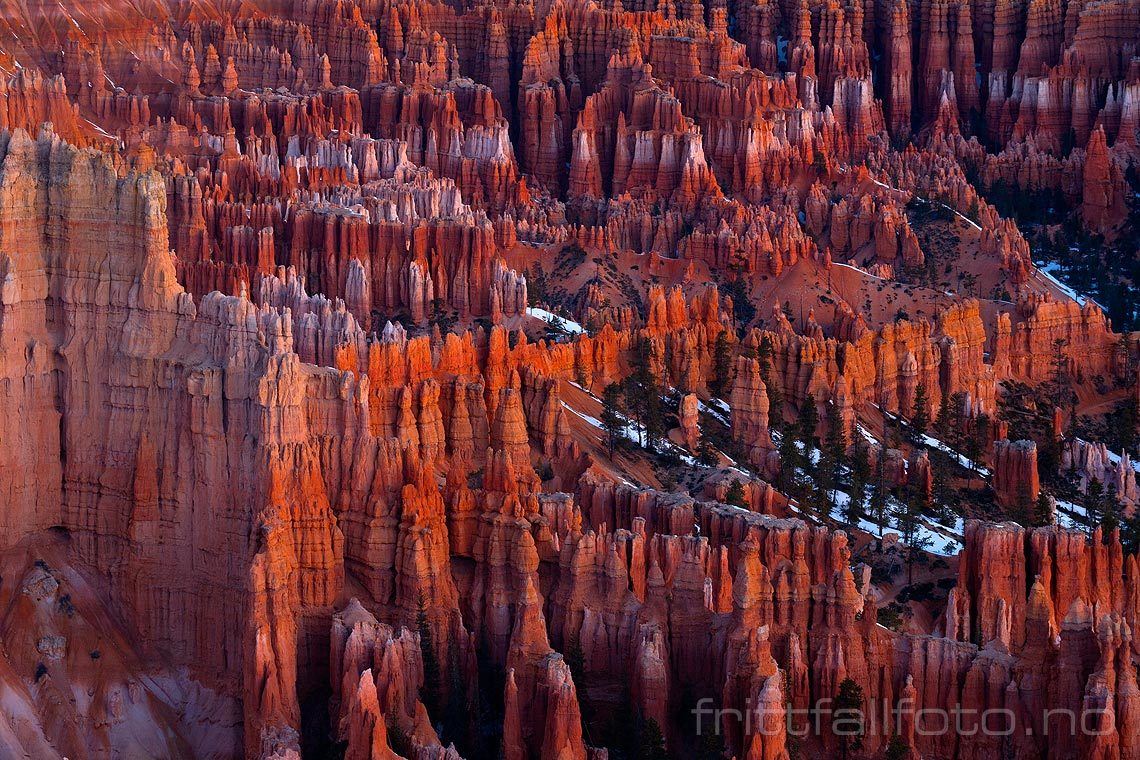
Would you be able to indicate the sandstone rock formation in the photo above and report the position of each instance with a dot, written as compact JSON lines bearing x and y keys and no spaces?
{"x":318,"y":320}
{"x":1093,"y":462}
{"x":1015,"y":472}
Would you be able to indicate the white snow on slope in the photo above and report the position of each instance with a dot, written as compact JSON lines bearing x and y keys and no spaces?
{"x":555,"y":321}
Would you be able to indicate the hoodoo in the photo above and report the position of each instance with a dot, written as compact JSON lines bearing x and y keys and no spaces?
{"x":569,"y":381}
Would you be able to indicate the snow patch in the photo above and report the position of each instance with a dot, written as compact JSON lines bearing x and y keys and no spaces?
{"x":555,"y":321}
{"x":960,"y":458}
{"x":716,"y":408}
{"x":863,"y":272}
{"x":1047,"y":270}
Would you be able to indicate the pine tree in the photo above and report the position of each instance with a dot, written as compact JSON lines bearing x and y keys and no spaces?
{"x":860,"y":474}
{"x":920,"y":418}
{"x":957,"y":420}
{"x":942,"y":422}
{"x":861,"y":461}
{"x":976,"y":443}
{"x":764,"y":352}
{"x":879,"y":494}
{"x":1125,"y":423}
{"x":643,"y":395}
{"x":735,"y":494}
{"x":651,"y":742}
{"x":722,"y":365}
{"x":847,"y":720}
{"x":891,"y":439}
{"x":1048,"y":455}
{"x":940,"y":487}
{"x":1130,"y":534}
{"x":789,"y":460}
{"x":1042,"y":512}
{"x":1125,"y":365}
{"x":654,"y":419}
{"x":906,"y":519}
{"x":835,"y":443}
{"x":910,"y":526}
{"x":1093,"y":504}
{"x":833,"y":456}
{"x":853,"y":512}
{"x":612,"y":422}
{"x":806,"y":424}
{"x":1111,"y":513}
{"x":820,"y":500}
{"x":706,"y":454}
{"x":634,"y":402}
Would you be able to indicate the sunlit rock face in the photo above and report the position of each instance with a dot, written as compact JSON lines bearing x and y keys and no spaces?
{"x":562,"y":381}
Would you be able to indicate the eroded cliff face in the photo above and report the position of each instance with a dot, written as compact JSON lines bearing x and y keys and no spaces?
{"x":306,"y":451}
{"x":228,"y":494}
{"x":176,"y":448}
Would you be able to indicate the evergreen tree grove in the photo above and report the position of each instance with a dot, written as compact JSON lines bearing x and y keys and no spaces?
{"x":642,"y":392}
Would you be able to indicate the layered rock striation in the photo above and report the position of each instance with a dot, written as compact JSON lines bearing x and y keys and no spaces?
{"x":313,"y":316}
